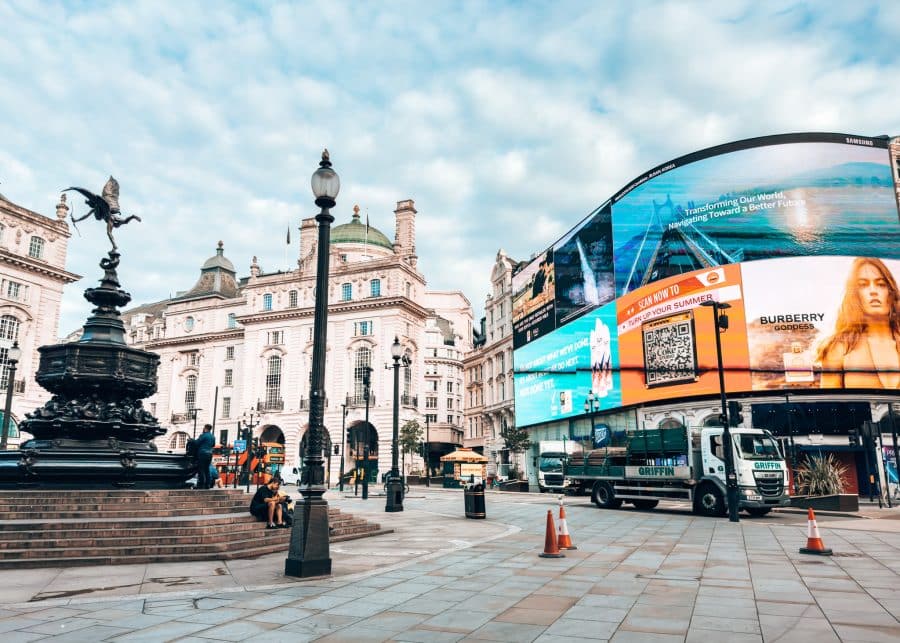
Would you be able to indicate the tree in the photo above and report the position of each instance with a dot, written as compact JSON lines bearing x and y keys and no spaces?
{"x":410,"y":438}
{"x":516,"y":439}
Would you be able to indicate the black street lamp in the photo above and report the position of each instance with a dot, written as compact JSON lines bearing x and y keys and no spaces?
{"x":721,"y":324}
{"x":591,"y":406}
{"x":309,"y":553}
{"x":427,"y":455}
{"x":251,"y":421}
{"x":367,"y":388}
{"x":194,"y":413}
{"x":343,"y":442}
{"x":13,"y":355}
{"x":394,"y":482}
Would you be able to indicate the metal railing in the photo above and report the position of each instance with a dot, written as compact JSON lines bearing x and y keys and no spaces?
{"x":409,"y":400}
{"x":354,"y":401}
{"x":181,"y":418}
{"x":18,"y":386}
{"x":270,"y":405}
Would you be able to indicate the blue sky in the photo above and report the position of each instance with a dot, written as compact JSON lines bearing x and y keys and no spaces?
{"x":507,"y":123}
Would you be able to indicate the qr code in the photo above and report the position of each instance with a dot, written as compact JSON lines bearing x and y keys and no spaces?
{"x":670,"y":351}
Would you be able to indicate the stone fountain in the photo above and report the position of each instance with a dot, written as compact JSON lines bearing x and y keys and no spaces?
{"x":94,"y":431}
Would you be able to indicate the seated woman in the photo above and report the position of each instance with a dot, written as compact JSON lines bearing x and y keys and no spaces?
{"x":268,"y":504}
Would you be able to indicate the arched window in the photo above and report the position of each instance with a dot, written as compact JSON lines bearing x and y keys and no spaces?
{"x":267,"y":301}
{"x":9,"y":328}
{"x":36,"y":248}
{"x":273,"y":382}
{"x":292,"y":299}
{"x":362,"y":362}
{"x":190,"y":392}
{"x":671,"y":423}
{"x":178,"y":441}
{"x":189,"y":323}
{"x":712,"y":420}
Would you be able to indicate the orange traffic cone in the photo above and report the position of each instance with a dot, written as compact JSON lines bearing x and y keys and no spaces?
{"x":551,"y":548}
{"x":814,"y":544}
{"x":564,"y":541}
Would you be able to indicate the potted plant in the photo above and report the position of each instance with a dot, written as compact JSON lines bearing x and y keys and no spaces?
{"x":821,"y":481}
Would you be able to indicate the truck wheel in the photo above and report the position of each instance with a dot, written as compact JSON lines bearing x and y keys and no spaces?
{"x":709,"y":501}
{"x":645,"y":504}
{"x":757,"y":512}
{"x":604,"y":496}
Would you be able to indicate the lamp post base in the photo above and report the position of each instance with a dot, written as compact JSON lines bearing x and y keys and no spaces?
{"x":309,"y":553}
{"x":394,"y":495}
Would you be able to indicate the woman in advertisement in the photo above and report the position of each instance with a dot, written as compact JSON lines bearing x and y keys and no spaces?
{"x":864,"y":351}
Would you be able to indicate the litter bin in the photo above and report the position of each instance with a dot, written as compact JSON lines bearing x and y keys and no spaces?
{"x":473,"y":495}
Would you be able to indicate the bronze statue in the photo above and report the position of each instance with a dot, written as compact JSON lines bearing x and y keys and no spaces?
{"x":105,"y":208}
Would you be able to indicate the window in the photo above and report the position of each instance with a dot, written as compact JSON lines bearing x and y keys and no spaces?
{"x":193,"y":358}
{"x":9,"y":327}
{"x":375,"y":288}
{"x":223,"y":437}
{"x":178,"y":440}
{"x":362,"y":362}
{"x":36,"y":248}
{"x":232,"y":320}
{"x":362,"y":328}
{"x":343,"y":257}
{"x":430,"y":402}
{"x":408,"y":290}
{"x":292,"y":299}
{"x":431,"y":418}
{"x":229,"y":352}
{"x":309,"y":334}
{"x":190,"y":393}
{"x":15,"y":290}
{"x":267,"y":301}
{"x":229,"y":378}
{"x":432,"y":385}
{"x":407,"y":377}
{"x":273,"y":381}
{"x":276,"y":337}
{"x":346,"y":292}
{"x":4,"y":369}
{"x":189,"y":323}
{"x":226,"y":407}
{"x":502,"y":362}
{"x":449,"y":387}
{"x":449,"y":403}
{"x":449,"y":419}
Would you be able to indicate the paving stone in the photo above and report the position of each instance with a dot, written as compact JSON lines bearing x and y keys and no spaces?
{"x":507,"y":631}
{"x":577,"y":628}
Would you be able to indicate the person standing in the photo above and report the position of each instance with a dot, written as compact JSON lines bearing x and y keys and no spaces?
{"x":205,"y":444}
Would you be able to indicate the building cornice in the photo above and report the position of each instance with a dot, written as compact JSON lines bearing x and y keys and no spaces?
{"x":39,"y":267}
{"x":234,"y":333}
{"x":60,"y":227}
{"x":358,"y":306}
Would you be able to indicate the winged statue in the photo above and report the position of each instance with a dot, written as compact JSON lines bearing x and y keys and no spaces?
{"x":104,"y":207}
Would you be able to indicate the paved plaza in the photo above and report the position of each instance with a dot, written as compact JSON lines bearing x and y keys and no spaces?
{"x":636,"y":576}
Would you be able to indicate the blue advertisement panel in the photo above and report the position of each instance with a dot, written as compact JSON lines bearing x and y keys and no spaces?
{"x":792,"y":199}
{"x":554,"y":374}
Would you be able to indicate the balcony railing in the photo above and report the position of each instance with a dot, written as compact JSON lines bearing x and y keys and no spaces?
{"x":409,"y":400}
{"x":360,"y":400}
{"x":270,"y":405}
{"x":18,"y":386}
{"x":181,"y":418}
{"x":304,"y":403}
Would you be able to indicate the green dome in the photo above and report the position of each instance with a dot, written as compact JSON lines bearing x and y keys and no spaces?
{"x":355,"y":232}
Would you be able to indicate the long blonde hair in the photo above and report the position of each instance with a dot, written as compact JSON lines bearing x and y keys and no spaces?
{"x":851,"y":323}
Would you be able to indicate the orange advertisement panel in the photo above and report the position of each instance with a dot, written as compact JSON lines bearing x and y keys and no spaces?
{"x":667,"y":345}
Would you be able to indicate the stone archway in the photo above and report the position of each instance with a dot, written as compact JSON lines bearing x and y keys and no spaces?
{"x":272,"y":433}
{"x":356,"y":449}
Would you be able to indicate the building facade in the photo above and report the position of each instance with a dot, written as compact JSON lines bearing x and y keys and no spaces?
{"x":33,"y":251}
{"x":237,"y":351}
{"x":489,"y":393}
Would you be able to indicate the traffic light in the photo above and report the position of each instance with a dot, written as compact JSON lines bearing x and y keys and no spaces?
{"x":734,"y":413}
{"x":853,"y":437}
{"x":337,"y":449}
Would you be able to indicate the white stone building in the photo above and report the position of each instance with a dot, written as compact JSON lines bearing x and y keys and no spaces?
{"x":489,"y":390}
{"x":33,"y":251}
{"x":235,"y":346}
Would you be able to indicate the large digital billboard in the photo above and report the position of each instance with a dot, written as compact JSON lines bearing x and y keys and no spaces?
{"x":776,"y":227}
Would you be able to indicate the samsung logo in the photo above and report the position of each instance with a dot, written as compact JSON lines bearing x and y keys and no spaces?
{"x":858,"y":141}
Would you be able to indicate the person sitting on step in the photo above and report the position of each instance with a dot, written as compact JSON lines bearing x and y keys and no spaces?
{"x":268,"y":504}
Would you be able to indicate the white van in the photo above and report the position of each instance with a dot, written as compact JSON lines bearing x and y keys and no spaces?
{"x":290,"y":476}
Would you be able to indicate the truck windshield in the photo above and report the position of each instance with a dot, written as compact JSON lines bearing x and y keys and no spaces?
{"x":757,"y":447}
{"x":550,"y":464}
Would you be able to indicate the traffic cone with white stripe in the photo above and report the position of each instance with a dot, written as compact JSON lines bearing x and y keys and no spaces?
{"x":563,"y":539}
{"x":551,"y":548}
{"x":814,"y":544}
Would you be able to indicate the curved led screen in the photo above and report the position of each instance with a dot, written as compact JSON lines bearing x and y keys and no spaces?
{"x":778,"y":228}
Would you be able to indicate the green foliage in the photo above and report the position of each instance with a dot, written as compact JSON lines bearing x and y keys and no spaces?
{"x":411,"y":434}
{"x":821,"y":476}
{"x":516,"y":439}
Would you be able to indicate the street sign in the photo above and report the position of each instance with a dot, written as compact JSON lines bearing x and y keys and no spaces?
{"x":240,"y":446}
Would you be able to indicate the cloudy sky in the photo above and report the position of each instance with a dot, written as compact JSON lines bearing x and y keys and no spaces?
{"x":507,"y":123}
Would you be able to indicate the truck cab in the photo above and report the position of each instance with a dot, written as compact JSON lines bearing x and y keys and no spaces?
{"x":759,"y":466}
{"x":551,"y":454}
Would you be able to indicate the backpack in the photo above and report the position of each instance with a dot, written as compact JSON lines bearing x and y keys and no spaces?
{"x":190,"y":448}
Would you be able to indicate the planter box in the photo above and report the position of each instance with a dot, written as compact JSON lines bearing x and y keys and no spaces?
{"x":841,"y":502}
